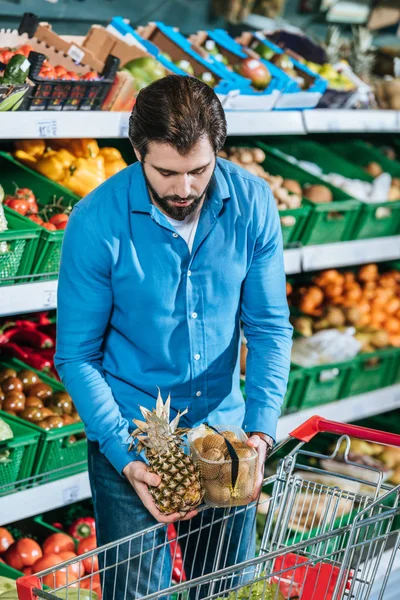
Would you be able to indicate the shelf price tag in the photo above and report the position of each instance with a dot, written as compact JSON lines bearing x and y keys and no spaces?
{"x":124,"y":125}
{"x":46,"y":128}
{"x":49,"y":298}
{"x":70,"y":494}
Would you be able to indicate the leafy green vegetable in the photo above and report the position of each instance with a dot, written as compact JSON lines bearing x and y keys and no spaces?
{"x":260,"y":590}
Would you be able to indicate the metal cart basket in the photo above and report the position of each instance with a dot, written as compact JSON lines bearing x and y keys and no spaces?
{"x":327,"y":530}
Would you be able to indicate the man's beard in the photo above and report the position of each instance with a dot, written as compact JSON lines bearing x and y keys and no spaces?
{"x":176,"y":212}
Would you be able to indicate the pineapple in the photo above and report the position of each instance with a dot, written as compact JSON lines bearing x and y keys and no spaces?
{"x":362,"y":56}
{"x":180,"y":489}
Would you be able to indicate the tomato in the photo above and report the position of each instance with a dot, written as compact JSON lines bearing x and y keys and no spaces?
{"x":47,"y":73}
{"x":59,"y":579}
{"x":60,"y":70}
{"x":77,"y":566}
{"x":91,"y":76}
{"x":33,"y":209}
{"x":48,"y":561}
{"x":13,"y":558}
{"x":62,"y":226}
{"x":26,"y":49}
{"x":91,"y":563}
{"x":26,"y":194}
{"x":5,"y":56}
{"x":58,"y":219}
{"x":58,"y":542}
{"x":6,"y":539}
{"x":29,"y":551}
{"x":36,"y":219}
{"x":92,"y":583}
{"x":74,"y":76}
{"x":49,"y":226}
{"x":65,"y":77}
{"x":27,"y":570}
{"x":19,"y":205}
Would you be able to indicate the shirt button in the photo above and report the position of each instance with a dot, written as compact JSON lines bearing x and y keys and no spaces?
{"x":197,"y":357}
{"x":175,"y":235}
{"x":189,"y":273}
{"x":198,"y":394}
{"x":194,"y":315}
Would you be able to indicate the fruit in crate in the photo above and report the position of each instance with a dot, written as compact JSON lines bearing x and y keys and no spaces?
{"x":214,"y":453}
{"x":366,"y":299}
{"x":180,"y":489}
{"x":144,"y":70}
{"x":60,"y":73}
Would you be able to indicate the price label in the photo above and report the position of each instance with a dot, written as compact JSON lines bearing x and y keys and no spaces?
{"x":46,"y":128}
{"x":76,"y":53}
{"x":70,"y":494}
{"x":50,"y":299}
{"x":124,"y":125}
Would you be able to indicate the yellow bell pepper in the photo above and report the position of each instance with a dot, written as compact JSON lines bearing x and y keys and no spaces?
{"x":96,"y":163}
{"x":35,"y":148}
{"x":114,"y":166}
{"x":65,"y":157}
{"x":51,"y":165}
{"x":81,"y":178}
{"x":26,"y":159}
{"x":110,"y":154}
{"x":82,"y":148}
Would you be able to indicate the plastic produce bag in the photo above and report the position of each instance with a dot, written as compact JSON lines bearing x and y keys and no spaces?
{"x":328,"y":346}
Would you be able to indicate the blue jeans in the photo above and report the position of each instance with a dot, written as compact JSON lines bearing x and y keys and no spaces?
{"x":142,"y":564}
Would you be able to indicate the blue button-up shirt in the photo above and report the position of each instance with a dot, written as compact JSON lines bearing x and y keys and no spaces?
{"x":128,"y":292}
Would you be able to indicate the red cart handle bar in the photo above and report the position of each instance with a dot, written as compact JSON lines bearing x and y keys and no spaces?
{"x":309,"y":429}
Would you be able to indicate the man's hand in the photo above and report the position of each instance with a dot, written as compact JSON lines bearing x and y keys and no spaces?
{"x":263,"y":450}
{"x":140,"y":479}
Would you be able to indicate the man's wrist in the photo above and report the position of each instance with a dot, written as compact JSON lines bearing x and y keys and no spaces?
{"x":263,"y":436}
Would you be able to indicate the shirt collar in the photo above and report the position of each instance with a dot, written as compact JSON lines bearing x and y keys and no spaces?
{"x":140,"y":198}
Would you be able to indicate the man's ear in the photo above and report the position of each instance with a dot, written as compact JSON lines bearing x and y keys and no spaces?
{"x":137,"y":154}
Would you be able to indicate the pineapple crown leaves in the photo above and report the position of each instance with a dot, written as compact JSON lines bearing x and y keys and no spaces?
{"x":333,"y":43}
{"x":363,"y":55}
{"x":156,"y":432}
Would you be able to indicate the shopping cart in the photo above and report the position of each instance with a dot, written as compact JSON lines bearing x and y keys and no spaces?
{"x":327,"y":531}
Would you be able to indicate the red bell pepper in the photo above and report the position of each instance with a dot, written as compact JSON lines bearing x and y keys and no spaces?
{"x":57,"y":525}
{"x":83,"y":528}
{"x":31,"y":337}
{"x":178,"y":572}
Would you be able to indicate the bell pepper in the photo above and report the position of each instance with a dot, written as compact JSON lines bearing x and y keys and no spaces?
{"x":114,"y":166}
{"x":26,"y":159}
{"x":35,"y":148}
{"x":83,"y":148}
{"x":110,"y":154}
{"x":65,"y":157}
{"x":32,"y":338}
{"x":82,"y":178}
{"x":83,"y":528}
{"x":51,"y":165}
{"x":97,"y":164}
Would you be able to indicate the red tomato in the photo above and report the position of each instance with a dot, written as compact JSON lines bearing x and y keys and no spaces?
{"x":13,"y":558}
{"x":36,"y":219}
{"x":33,"y":209}
{"x":58,"y":542}
{"x":26,"y":194}
{"x":47,"y":73}
{"x":74,"y":76}
{"x":58,"y":219}
{"x":49,"y":226}
{"x":60,"y":70}
{"x":91,"y":563}
{"x":65,"y":77}
{"x":27,"y":570}
{"x":6,"y":539}
{"x":92,"y":583}
{"x":19,"y":205}
{"x":62,"y":226}
{"x":59,"y":579}
{"x":5,"y":56}
{"x":26,"y":49}
{"x":91,"y":76}
{"x":29,"y":551}
{"x":48,"y":561}
{"x":78,"y":566}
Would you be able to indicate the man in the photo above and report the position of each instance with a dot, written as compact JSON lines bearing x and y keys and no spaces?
{"x":159,"y":266}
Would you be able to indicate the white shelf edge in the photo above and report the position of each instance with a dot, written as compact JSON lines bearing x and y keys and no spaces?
{"x":104,"y":124}
{"x":28,"y":297}
{"x":43,"y":498}
{"x":27,"y":503}
{"x":349,"y":409}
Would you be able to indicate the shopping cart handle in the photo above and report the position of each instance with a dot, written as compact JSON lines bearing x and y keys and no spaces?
{"x":307,"y":430}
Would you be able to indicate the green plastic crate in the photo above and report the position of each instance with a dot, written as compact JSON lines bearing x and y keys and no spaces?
{"x":328,"y":222}
{"x":293,"y":392}
{"x":292,"y":233}
{"x":48,"y":251}
{"x":18,"y":247}
{"x":65,"y":515}
{"x":371,"y":371}
{"x":380,"y":219}
{"x":6,"y":571}
{"x":395,"y":366}
{"x":21,"y":450}
{"x":56,"y":456}
{"x":324,"y":384}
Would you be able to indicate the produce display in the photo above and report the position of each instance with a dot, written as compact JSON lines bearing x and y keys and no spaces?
{"x":24,"y":394}
{"x":162,"y":442}
{"x":52,"y":216}
{"x":79,"y":165}
{"x":288,"y":193}
{"x":367,"y":299}
{"x":384,"y":458}
{"x":215,"y":452}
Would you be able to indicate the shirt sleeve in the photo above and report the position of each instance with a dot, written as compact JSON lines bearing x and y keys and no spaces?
{"x":265,"y":317}
{"x":84,"y":308}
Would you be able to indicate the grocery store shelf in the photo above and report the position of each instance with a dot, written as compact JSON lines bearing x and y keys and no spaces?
{"x":292,"y":260}
{"x":72,"y":489}
{"x":347,"y":121}
{"x":28,"y":297}
{"x":345,"y":254}
{"x":347,"y":410}
{"x":44,"y":498}
{"x":103,"y":124}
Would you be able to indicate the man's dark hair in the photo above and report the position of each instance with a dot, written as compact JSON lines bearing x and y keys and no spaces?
{"x":177,"y":110}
